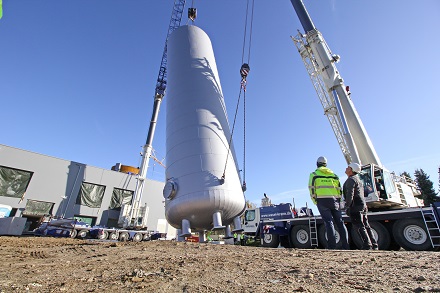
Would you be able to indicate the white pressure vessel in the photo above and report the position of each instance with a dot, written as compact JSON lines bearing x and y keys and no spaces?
{"x":197,"y":138}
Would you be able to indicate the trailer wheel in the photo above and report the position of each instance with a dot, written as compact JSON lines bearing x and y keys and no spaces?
{"x":323,"y":240}
{"x":113,"y":235}
{"x":73,"y":234}
{"x":411,"y":234}
{"x":300,"y":236}
{"x":82,"y":234}
{"x":124,"y":236}
{"x":103,"y":235}
{"x":270,"y":240}
{"x":380,"y":233}
{"x":138,"y":237}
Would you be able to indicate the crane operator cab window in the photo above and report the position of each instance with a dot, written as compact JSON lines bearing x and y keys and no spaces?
{"x":365,"y":177}
{"x":388,"y":184}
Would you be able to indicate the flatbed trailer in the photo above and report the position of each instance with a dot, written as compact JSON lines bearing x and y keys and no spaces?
{"x":75,"y":229}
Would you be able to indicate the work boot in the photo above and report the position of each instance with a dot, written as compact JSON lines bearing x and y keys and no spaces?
{"x":366,"y":247}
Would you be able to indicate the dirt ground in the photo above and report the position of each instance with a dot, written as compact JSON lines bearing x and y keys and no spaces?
{"x":45,"y":264}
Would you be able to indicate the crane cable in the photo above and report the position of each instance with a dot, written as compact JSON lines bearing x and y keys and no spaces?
{"x":244,"y":72}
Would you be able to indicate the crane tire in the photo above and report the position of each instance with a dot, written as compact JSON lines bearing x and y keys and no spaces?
{"x":270,"y":240}
{"x":323,"y":240}
{"x":411,"y":234}
{"x":300,"y":236}
{"x":284,"y":240}
{"x":394,"y":246}
{"x":380,"y":233}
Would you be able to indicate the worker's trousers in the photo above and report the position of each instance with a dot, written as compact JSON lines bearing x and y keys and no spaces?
{"x":360,"y":224}
{"x":332,"y":216}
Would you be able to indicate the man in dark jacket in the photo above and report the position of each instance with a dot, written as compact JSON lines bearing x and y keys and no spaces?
{"x":356,"y":207}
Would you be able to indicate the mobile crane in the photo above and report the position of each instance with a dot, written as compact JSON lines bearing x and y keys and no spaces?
{"x":384,"y":189}
{"x":396,"y":216}
{"x":133,"y":216}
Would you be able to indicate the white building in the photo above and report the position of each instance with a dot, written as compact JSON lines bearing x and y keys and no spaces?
{"x":35,"y":185}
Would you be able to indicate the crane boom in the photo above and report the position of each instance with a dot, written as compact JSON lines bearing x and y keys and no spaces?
{"x":176,"y":17}
{"x":320,"y":62}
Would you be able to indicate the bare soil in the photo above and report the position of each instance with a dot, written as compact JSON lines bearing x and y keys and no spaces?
{"x":45,"y":264}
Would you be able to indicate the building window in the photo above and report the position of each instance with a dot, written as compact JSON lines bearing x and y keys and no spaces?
{"x":14,"y":182}
{"x":90,"y":195}
{"x":38,"y":208}
{"x":120,"y":197}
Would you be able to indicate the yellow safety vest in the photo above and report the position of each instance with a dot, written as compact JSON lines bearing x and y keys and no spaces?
{"x":323,"y":183}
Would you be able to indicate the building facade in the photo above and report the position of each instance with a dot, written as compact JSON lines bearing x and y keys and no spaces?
{"x":37,"y":185}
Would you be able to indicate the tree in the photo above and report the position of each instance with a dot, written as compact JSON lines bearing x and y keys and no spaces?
{"x":404,"y":173}
{"x":426,"y":187}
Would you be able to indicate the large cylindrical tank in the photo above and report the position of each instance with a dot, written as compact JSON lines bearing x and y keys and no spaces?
{"x":197,"y":137}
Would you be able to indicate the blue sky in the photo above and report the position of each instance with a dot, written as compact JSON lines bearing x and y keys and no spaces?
{"x":77,"y":80}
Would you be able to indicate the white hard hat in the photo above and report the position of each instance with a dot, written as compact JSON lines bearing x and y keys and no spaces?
{"x":355,"y":167}
{"x":322,"y":160}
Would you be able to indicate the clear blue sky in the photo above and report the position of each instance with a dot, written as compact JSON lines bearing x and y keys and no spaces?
{"x":77,"y":80}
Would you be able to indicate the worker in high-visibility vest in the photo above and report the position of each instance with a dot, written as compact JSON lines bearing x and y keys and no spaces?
{"x":208,"y":235}
{"x":242,"y":239}
{"x":325,"y":191}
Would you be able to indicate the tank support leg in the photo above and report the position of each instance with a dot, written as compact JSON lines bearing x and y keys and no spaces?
{"x":179,"y":238}
{"x":202,"y":238}
{"x":237,"y":225}
{"x":186,"y":229}
{"x":228,"y":234}
{"x":217,"y":221}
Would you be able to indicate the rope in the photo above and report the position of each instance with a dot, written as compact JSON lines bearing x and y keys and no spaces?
{"x":244,"y":72}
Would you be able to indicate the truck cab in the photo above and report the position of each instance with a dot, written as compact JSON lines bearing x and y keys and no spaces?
{"x":250,"y":221}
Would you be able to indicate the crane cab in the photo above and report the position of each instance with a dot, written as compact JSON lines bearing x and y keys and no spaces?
{"x":383,"y":189}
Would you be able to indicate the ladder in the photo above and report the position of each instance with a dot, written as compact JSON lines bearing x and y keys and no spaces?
{"x":431,"y":217}
{"x":401,"y":194}
{"x":313,"y":232}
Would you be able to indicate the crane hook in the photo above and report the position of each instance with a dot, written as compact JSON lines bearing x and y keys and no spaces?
{"x":192,"y":13}
{"x":244,"y":71}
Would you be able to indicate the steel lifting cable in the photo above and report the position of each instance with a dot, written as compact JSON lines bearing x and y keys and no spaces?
{"x":244,"y":72}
